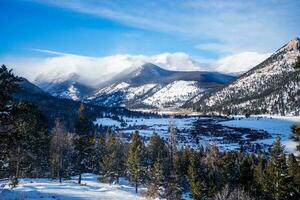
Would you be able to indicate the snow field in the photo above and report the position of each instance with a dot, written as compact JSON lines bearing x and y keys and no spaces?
{"x":91,"y":189}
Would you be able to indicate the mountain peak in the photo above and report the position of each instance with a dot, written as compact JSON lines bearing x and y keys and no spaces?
{"x":149,"y":66}
{"x":293,"y":44}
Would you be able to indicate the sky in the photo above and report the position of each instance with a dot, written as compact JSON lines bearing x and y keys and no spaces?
{"x":98,"y":38}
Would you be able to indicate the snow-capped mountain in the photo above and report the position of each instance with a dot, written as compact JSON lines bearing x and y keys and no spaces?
{"x":65,"y":87}
{"x":271,"y":87}
{"x":150,"y":86}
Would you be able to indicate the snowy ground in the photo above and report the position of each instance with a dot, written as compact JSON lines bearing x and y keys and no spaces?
{"x":91,"y":189}
{"x":277,"y":126}
{"x":274,"y":125}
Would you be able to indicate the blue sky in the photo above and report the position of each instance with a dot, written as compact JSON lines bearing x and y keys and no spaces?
{"x":206,"y":31}
{"x":33,"y":24}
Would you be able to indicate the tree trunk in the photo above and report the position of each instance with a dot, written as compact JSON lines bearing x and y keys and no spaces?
{"x":59,"y":175}
{"x":79,"y":179}
{"x":136,"y":187}
{"x":18,"y":162}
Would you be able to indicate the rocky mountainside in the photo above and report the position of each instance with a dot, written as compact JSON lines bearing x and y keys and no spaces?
{"x":150,"y":86}
{"x":272,"y":87}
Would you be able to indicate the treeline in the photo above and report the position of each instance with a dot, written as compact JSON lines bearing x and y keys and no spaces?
{"x":29,"y":149}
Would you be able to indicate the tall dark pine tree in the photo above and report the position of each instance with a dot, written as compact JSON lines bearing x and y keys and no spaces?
{"x":157,"y":181}
{"x":195,"y":175}
{"x":136,"y":163}
{"x":156,"y":149}
{"x":294,"y":173}
{"x":9,"y":83}
{"x":296,"y":134}
{"x":29,"y":145}
{"x":277,"y":173}
{"x":83,"y":141}
{"x":112,"y":164}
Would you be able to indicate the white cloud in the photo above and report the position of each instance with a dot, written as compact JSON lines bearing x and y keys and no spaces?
{"x":240,"y":62}
{"x":93,"y":70}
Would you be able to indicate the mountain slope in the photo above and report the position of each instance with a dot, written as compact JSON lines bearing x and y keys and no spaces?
{"x":150,"y":86}
{"x":271,"y":87}
{"x":66,"y":109}
{"x":68,"y":87}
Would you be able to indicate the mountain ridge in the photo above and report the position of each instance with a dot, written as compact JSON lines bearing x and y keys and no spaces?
{"x":271,"y":87}
{"x":143,"y":87}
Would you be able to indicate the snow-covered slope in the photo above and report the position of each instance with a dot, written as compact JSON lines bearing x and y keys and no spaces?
{"x":174,"y":94}
{"x":150,"y":86}
{"x":65,"y":87}
{"x":271,"y":87}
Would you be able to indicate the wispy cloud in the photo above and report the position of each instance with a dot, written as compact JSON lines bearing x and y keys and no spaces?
{"x":93,"y":70}
{"x":258,"y":26}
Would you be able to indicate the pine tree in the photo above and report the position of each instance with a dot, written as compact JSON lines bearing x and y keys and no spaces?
{"x":195,"y":175}
{"x":157,"y":181}
{"x":181,"y":162}
{"x":246,"y":173}
{"x":9,"y":84}
{"x":172,"y":142}
{"x":260,"y":177}
{"x":277,"y":173}
{"x":30,"y":141}
{"x":294,"y":173}
{"x":156,"y":149}
{"x":211,"y":160}
{"x":296,"y":134}
{"x":136,"y":168}
{"x":173,"y":190}
{"x":230,"y":169}
{"x":112,"y":164}
{"x":83,"y":141}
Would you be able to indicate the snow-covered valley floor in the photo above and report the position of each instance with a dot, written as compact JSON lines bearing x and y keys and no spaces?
{"x":229,"y":133}
{"x":91,"y":189}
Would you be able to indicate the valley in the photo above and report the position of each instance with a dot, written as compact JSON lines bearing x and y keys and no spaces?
{"x":251,"y":134}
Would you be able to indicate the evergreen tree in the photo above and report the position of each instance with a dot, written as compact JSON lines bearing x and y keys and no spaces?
{"x":294,"y":173}
{"x":156,"y":149}
{"x":99,"y":152}
{"x":195,"y":175}
{"x":230,"y":169}
{"x":9,"y":84}
{"x":260,"y":178}
{"x":181,"y":162}
{"x":157,"y":181}
{"x":83,"y":140}
{"x":136,"y":163}
{"x":30,"y":141}
{"x":211,"y":161}
{"x":296,"y":134}
{"x":277,"y":173}
{"x":246,"y":178}
{"x":112,"y":164}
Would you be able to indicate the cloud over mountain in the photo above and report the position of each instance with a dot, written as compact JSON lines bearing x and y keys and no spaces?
{"x":94,"y":70}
